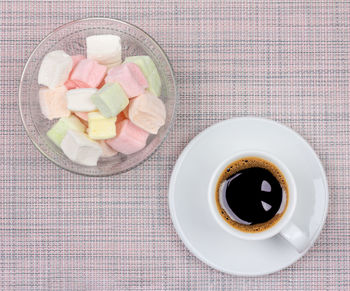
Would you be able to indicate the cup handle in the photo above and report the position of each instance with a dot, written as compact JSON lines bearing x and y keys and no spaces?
{"x":295,"y":236}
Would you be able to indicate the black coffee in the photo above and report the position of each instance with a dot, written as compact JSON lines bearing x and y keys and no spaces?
{"x":251,"y":194}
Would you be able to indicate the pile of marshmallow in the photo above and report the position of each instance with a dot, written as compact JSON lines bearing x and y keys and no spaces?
{"x":105,"y":105}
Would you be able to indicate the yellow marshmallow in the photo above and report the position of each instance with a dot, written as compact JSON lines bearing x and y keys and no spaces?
{"x":101,"y":127}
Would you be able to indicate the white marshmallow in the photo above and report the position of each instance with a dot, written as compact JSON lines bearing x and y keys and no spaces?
{"x":80,"y":149}
{"x":54,"y":69}
{"x":79,"y":99}
{"x":104,"y":48}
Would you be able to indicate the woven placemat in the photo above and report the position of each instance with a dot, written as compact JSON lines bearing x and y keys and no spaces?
{"x":284,"y":60}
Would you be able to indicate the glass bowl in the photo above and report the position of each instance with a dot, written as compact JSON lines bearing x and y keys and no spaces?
{"x":71,"y":38}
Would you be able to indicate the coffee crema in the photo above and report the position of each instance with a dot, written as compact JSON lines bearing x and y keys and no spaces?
{"x":251,"y":194}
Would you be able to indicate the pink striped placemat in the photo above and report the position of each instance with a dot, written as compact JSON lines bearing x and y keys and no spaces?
{"x":284,"y":60}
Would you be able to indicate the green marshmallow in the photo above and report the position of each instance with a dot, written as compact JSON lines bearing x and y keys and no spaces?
{"x":150,"y":71}
{"x":145,"y":63}
{"x":110,"y":100}
{"x":155,"y":86}
{"x":59,"y":130}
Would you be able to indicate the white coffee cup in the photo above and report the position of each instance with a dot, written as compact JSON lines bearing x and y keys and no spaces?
{"x":284,"y":226}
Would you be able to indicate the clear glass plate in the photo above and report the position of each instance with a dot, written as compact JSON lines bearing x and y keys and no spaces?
{"x":71,"y":38}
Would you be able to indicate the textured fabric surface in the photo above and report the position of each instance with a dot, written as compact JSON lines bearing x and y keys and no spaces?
{"x":284,"y":60}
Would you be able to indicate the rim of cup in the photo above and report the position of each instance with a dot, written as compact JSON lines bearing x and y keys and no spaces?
{"x":292,"y":196}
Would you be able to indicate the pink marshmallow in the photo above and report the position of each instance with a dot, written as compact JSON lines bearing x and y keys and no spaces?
{"x":89,"y":72}
{"x":130,"y":77}
{"x":147,"y":112}
{"x":82,"y":115}
{"x":101,"y":85}
{"x":76,"y":59}
{"x":53,"y":103}
{"x":129,"y":139}
{"x":75,"y":84}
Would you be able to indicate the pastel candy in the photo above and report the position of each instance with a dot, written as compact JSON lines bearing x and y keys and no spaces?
{"x":76,"y":59}
{"x":80,"y":99}
{"x":130,"y":77}
{"x":82,"y":115}
{"x":147,"y":112}
{"x":101,"y":127}
{"x":89,"y":72}
{"x":126,"y":111}
{"x":107,"y":151}
{"x":121,"y":116}
{"x":104,"y":48}
{"x":112,"y":65}
{"x":86,"y":124}
{"x":59,"y":129}
{"x":80,"y":149}
{"x":54,"y":69}
{"x":149,"y":70}
{"x":110,"y":99}
{"x":71,"y":84}
{"x":129,"y":138}
{"x":53,"y":103}
{"x":101,"y":85}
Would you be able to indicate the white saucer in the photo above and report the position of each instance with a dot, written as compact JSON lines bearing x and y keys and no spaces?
{"x":189,"y":206}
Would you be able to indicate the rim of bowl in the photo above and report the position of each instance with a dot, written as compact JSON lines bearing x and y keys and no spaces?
{"x":171,"y":123}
